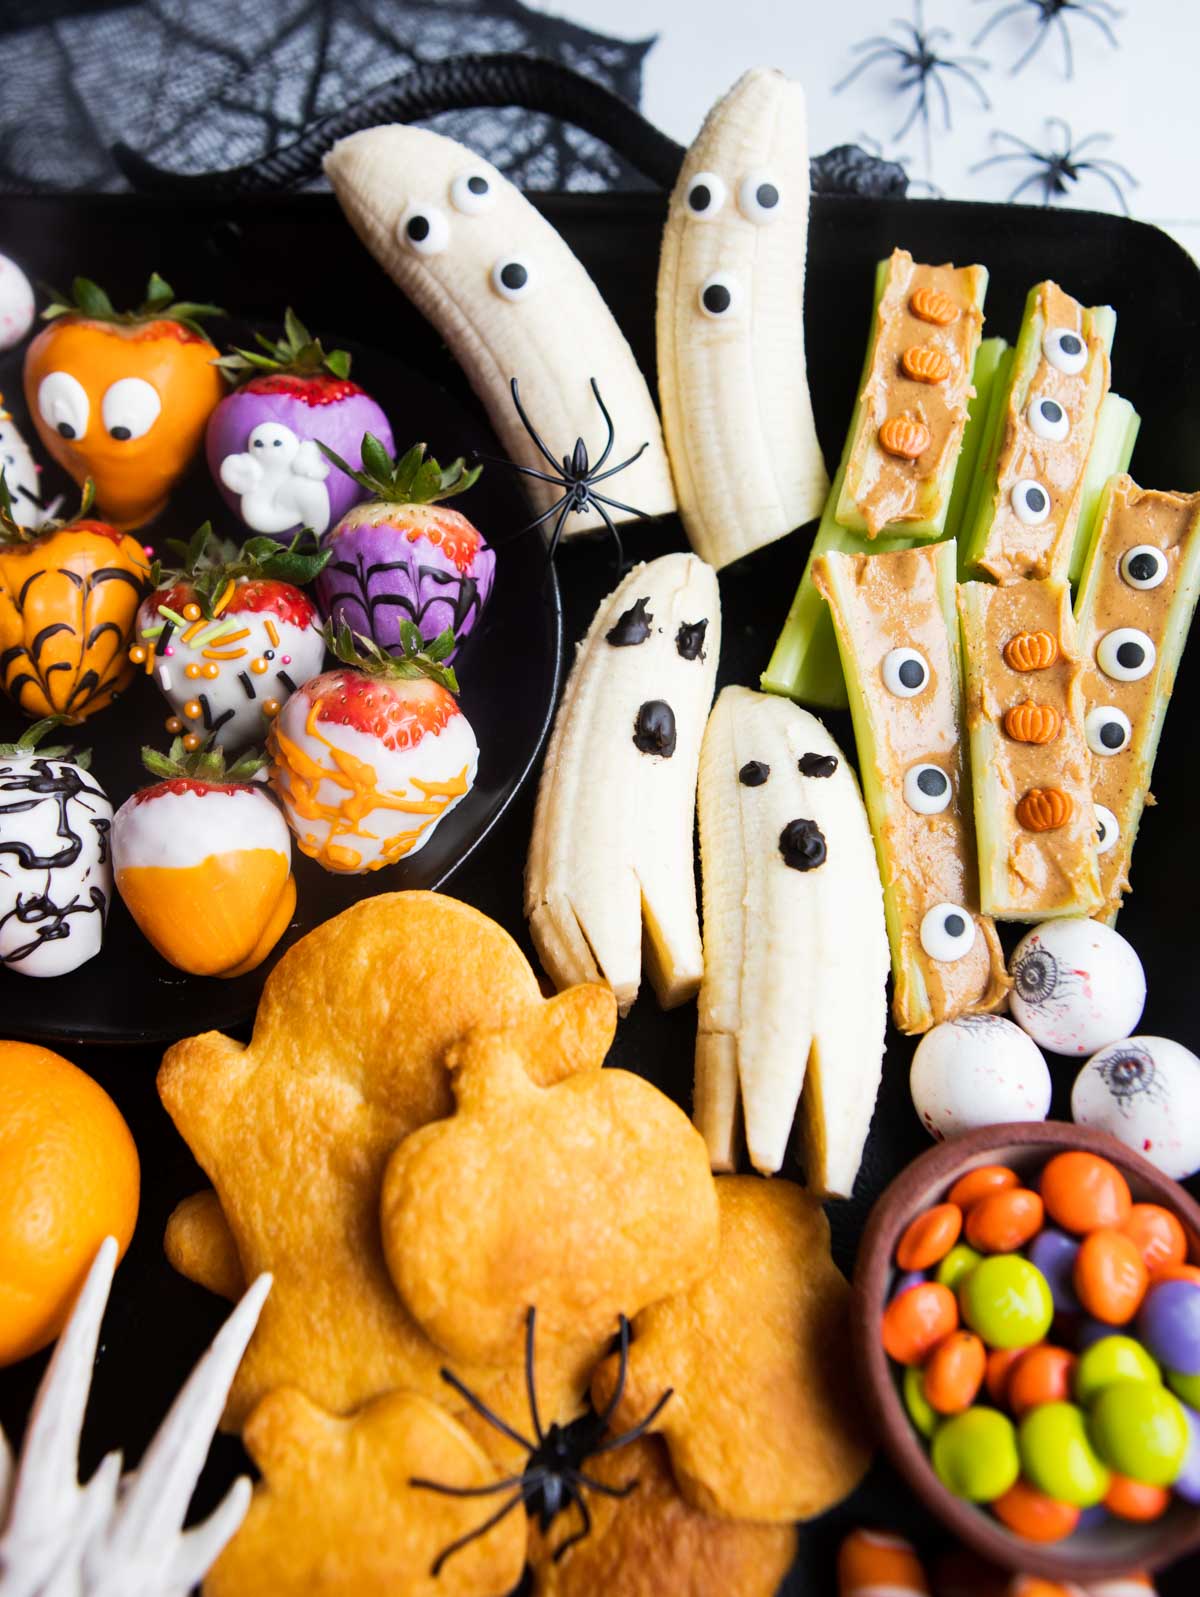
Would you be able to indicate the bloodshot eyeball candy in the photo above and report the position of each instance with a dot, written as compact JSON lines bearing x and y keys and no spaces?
{"x":1077,"y":986}
{"x":1145,"y":1091}
{"x":979,"y":1070}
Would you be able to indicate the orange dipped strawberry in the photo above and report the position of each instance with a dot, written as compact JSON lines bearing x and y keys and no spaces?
{"x":69,"y":594}
{"x":203,"y":860}
{"x":367,"y":759}
{"x":123,"y":397}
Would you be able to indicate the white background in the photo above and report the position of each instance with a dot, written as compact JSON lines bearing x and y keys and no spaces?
{"x":1146,"y":94}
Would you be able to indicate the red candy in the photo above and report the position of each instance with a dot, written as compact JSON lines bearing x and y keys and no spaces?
{"x":1110,"y":1276}
{"x":916,"y":1321}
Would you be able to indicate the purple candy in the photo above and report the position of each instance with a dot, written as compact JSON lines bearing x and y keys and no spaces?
{"x":1092,"y":1518}
{"x":1187,"y":1482}
{"x":1169,"y":1325}
{"x":906,"y":1282}
{"x":1053,"y":1252}
{"x":1089,"y":1330}
{"x":339,"y":417}
{"x":421,"y":563}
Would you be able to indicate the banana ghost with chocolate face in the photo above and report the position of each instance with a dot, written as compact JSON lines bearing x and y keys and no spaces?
{"x":731,"y":367}
{"x":504,"y":290}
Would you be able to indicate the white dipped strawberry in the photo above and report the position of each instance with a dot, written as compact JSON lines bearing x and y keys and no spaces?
{"x":369,"y":758}
{"x":229,"y":635}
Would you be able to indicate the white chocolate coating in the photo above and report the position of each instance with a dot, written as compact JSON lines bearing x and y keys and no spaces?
{"x":178,"y":830}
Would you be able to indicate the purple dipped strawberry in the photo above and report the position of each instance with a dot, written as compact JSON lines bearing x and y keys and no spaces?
{"x":262,"y":439}
{"x":402,"y":556}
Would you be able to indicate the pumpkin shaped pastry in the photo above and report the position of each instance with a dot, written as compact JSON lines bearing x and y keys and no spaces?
{"x":69,"y":593}
{"x":123,"y":397}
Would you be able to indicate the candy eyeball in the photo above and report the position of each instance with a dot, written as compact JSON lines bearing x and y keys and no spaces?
{"x":1107,"y":729}
{"x":947,"y":932}
{"x":130,"y":408}
{"x":759,"y":199}
{"x":472,"y":193}
{"x":927,"y":789}
{"x":512,"y":279}
{"x":1065,"y":349}
{"x":979,"y":1070}
{"x":1143,"y":566}
{"x":719,"y":296}
{"x":905,"y":672}
{"x":705,"y":195}
{"x":1145,"y":1091}
{"x":1047,"y":419}
{"x":16,"y":304}
{"x":424,"y":228}
{"x":63,"y":404}
{"x":1125,"y":654}
{"x":1108,"y":828}
{"x":1031,"y":502}
{"x":1077,"y":986}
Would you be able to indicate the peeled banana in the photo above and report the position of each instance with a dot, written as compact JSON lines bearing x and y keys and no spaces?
{"x":731,"y":367}
{"x":612,"y":846}
{"x":795,"y":946}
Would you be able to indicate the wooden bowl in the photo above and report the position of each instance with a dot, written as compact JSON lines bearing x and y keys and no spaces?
{"x":1110,"y":1549}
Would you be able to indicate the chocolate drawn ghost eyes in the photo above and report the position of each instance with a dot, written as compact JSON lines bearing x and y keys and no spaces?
{"x":512,"y":279}
{"x":705,"y":195}
{"x":472,"y":193}
{"x":1107,"y":730}
{"x":424,"y":228}
{"x":1125,"y":654}
{"x":759,"y":199}
{"x":1065,"y":349}
{"x":1108,"y":829}
{"x":719,"y":296}
{"x":1047,"y":419}
{"x":947,"y":932}
{"x":905,"y":672}
{"x":1031,"y":502}
{"x":927,"y":789}
{"x":1143,"y":566}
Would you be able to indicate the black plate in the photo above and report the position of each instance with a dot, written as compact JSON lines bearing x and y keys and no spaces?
{"x":508,"y":668}
{"x":159,"y":1323}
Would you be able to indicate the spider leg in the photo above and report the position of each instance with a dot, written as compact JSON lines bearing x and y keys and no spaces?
{"x":634,"y":1431}
{"x":1039,"y":40}
{"x":599,"y":504}
{"x":1064,"y":34}
{"x":472,"y":1535}
{"x":945,"y":98}
{"x":545,"y":516}
{"x":485,"y":1412}
{"x":531,"y":1316}
{"x":1105,"y":177}
{"x":585,"y":1527}
{"x":1094,"y":16}
{"x":424,"y":1485}
{"x":615,"y":504}
{"x":599,"y":476}
{"x":919,"y":109}
{"x":1064,"y":128}
{"x":1008,"y":11}
{"x":1020,"y":143}
{"x":956,"y":66}
{"x":528,"y":425}
{"x":1122,"y":172}
{"x":604,"y":1489}
{"x":1092,"y":138}
{"x":867,"y":61}
{"x":1034,"y":177}
{"x":608,"y":423}
{"x":610,"y":1408}
{"x":997,"y":160}
{"x":555,"y":540}
{"x":515,"y":465}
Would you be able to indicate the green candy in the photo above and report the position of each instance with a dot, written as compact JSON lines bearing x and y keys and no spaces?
{"x":1186,"y":1387}
{"x":920,"y":1411}
{"x":975,"y":1455}
{"x":1113,"y":1358}
{"x":1140,"y":1430}
{"x":1006,"y":1301}
{"x":1058,"y":1458}
{"x":957,"y":1264}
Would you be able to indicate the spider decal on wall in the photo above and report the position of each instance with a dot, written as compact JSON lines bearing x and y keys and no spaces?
{"x":553,"y":1477}
{"x":919,"y":67}
{"x":1053,"y":14}
{"x":576,"y":476}
{"x":1057,"y":170}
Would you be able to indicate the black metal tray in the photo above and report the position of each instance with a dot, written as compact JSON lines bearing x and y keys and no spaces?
{"x":255,"y":254}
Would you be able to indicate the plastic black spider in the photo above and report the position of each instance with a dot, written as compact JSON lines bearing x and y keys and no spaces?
{"x":919,"y":67}
{"x":576,"y":476}
{"x":1056,"y":170}
{"x":553,"y":1477}
{"x":1053,"y":14}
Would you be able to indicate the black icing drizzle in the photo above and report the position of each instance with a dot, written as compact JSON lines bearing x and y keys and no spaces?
{"x":631,"y":627}
{"x":358,"y":591}
{"x":49,"y":921}
{"x":689,"y":640}
{"x":817,"y":764}
{"x":754,"y":773}
{"x":654,"y":729}
{"x":802,"y":844}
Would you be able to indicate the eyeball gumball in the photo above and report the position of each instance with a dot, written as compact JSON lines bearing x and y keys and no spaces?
{"x":1077,"y":986}
{"x":978,"y":1070}
{"x":1145,"y":1091}
{"x":16,"y":304}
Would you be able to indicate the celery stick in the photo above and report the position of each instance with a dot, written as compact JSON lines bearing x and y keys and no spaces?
{"x":1112,"y":449}
{"x":983,"y":378}
{"x":987,"y":453}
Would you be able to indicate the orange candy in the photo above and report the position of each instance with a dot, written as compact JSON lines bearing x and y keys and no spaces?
{"x":1110,"y":1276}
{"x":1004,"y":1221}
{"x":929,"y":1237}
{"x":1135,"y":1500}
{"x":916,"y":1321}
{"x":980,"y":1183}
{"x":1160,"y":1237}
{"x":954,"y":1372}
{"x":1041,"y":1375}
{"x":1082,"y":1192}
{"x":877,"y":1561}
{"x":1178,"y":1272}
{"x":1030,"y":1513}
{"x":1000,"y":1364}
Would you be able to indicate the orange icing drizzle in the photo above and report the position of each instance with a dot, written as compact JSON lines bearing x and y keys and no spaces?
{"x":298,"y":777}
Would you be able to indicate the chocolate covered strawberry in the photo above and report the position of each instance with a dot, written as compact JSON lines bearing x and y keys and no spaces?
{"x":402,"y":556}
{"x":203,"y":860}
{"x":368,"y":758}
{"x":229,"y":635}
{"x":262,"y":438}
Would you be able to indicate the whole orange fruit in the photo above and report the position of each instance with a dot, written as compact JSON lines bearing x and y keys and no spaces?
{"x":69,"y":1177}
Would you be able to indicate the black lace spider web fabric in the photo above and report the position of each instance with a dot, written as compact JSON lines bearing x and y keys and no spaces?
{"x":202,"y":84}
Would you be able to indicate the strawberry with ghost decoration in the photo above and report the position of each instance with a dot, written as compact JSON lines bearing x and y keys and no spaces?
{"x":262,"y":438}
{"x":20,"y":471}
{"x":229,"y":634}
